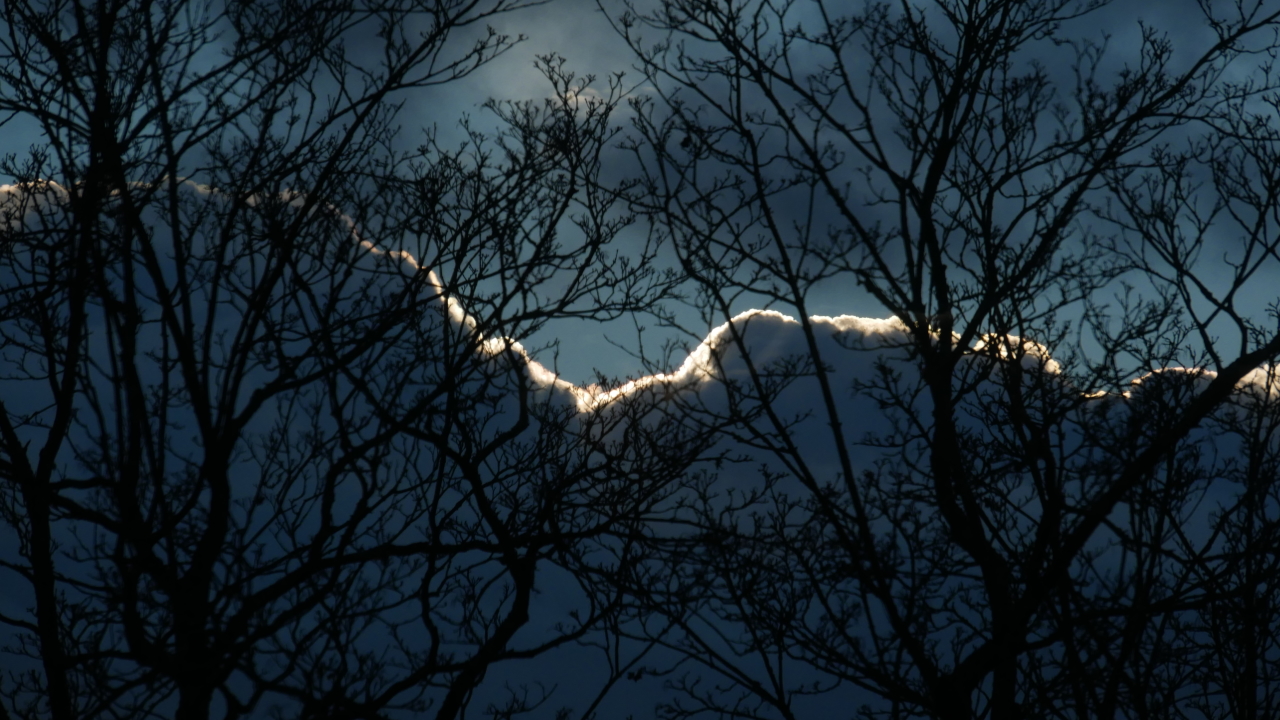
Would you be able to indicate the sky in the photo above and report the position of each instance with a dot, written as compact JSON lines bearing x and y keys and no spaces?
{"x":578,"y":31}
{"x":575,"y":29}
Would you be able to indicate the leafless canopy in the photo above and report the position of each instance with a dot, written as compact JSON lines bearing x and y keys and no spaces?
{"x":1011,"y":540}
{"x":254,"y":459}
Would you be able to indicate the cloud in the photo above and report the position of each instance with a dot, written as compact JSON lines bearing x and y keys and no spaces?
{"x":27,"y":205}
{"x":852,"y":346}
{"x":859,"y":352}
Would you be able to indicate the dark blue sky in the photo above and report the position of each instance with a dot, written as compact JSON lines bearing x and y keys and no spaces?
{"x":578,"y":31}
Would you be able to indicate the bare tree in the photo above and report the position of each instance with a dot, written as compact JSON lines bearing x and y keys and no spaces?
{"x":265,"y":445}
{"x":1022,"y":533}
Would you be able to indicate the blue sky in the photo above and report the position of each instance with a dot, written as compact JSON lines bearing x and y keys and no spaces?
{"x":578,"y":31}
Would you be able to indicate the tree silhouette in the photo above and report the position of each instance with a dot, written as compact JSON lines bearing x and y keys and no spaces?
{"x":989,"y":526}
{"x":256,"y":458}
{"x":269,"y":447}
